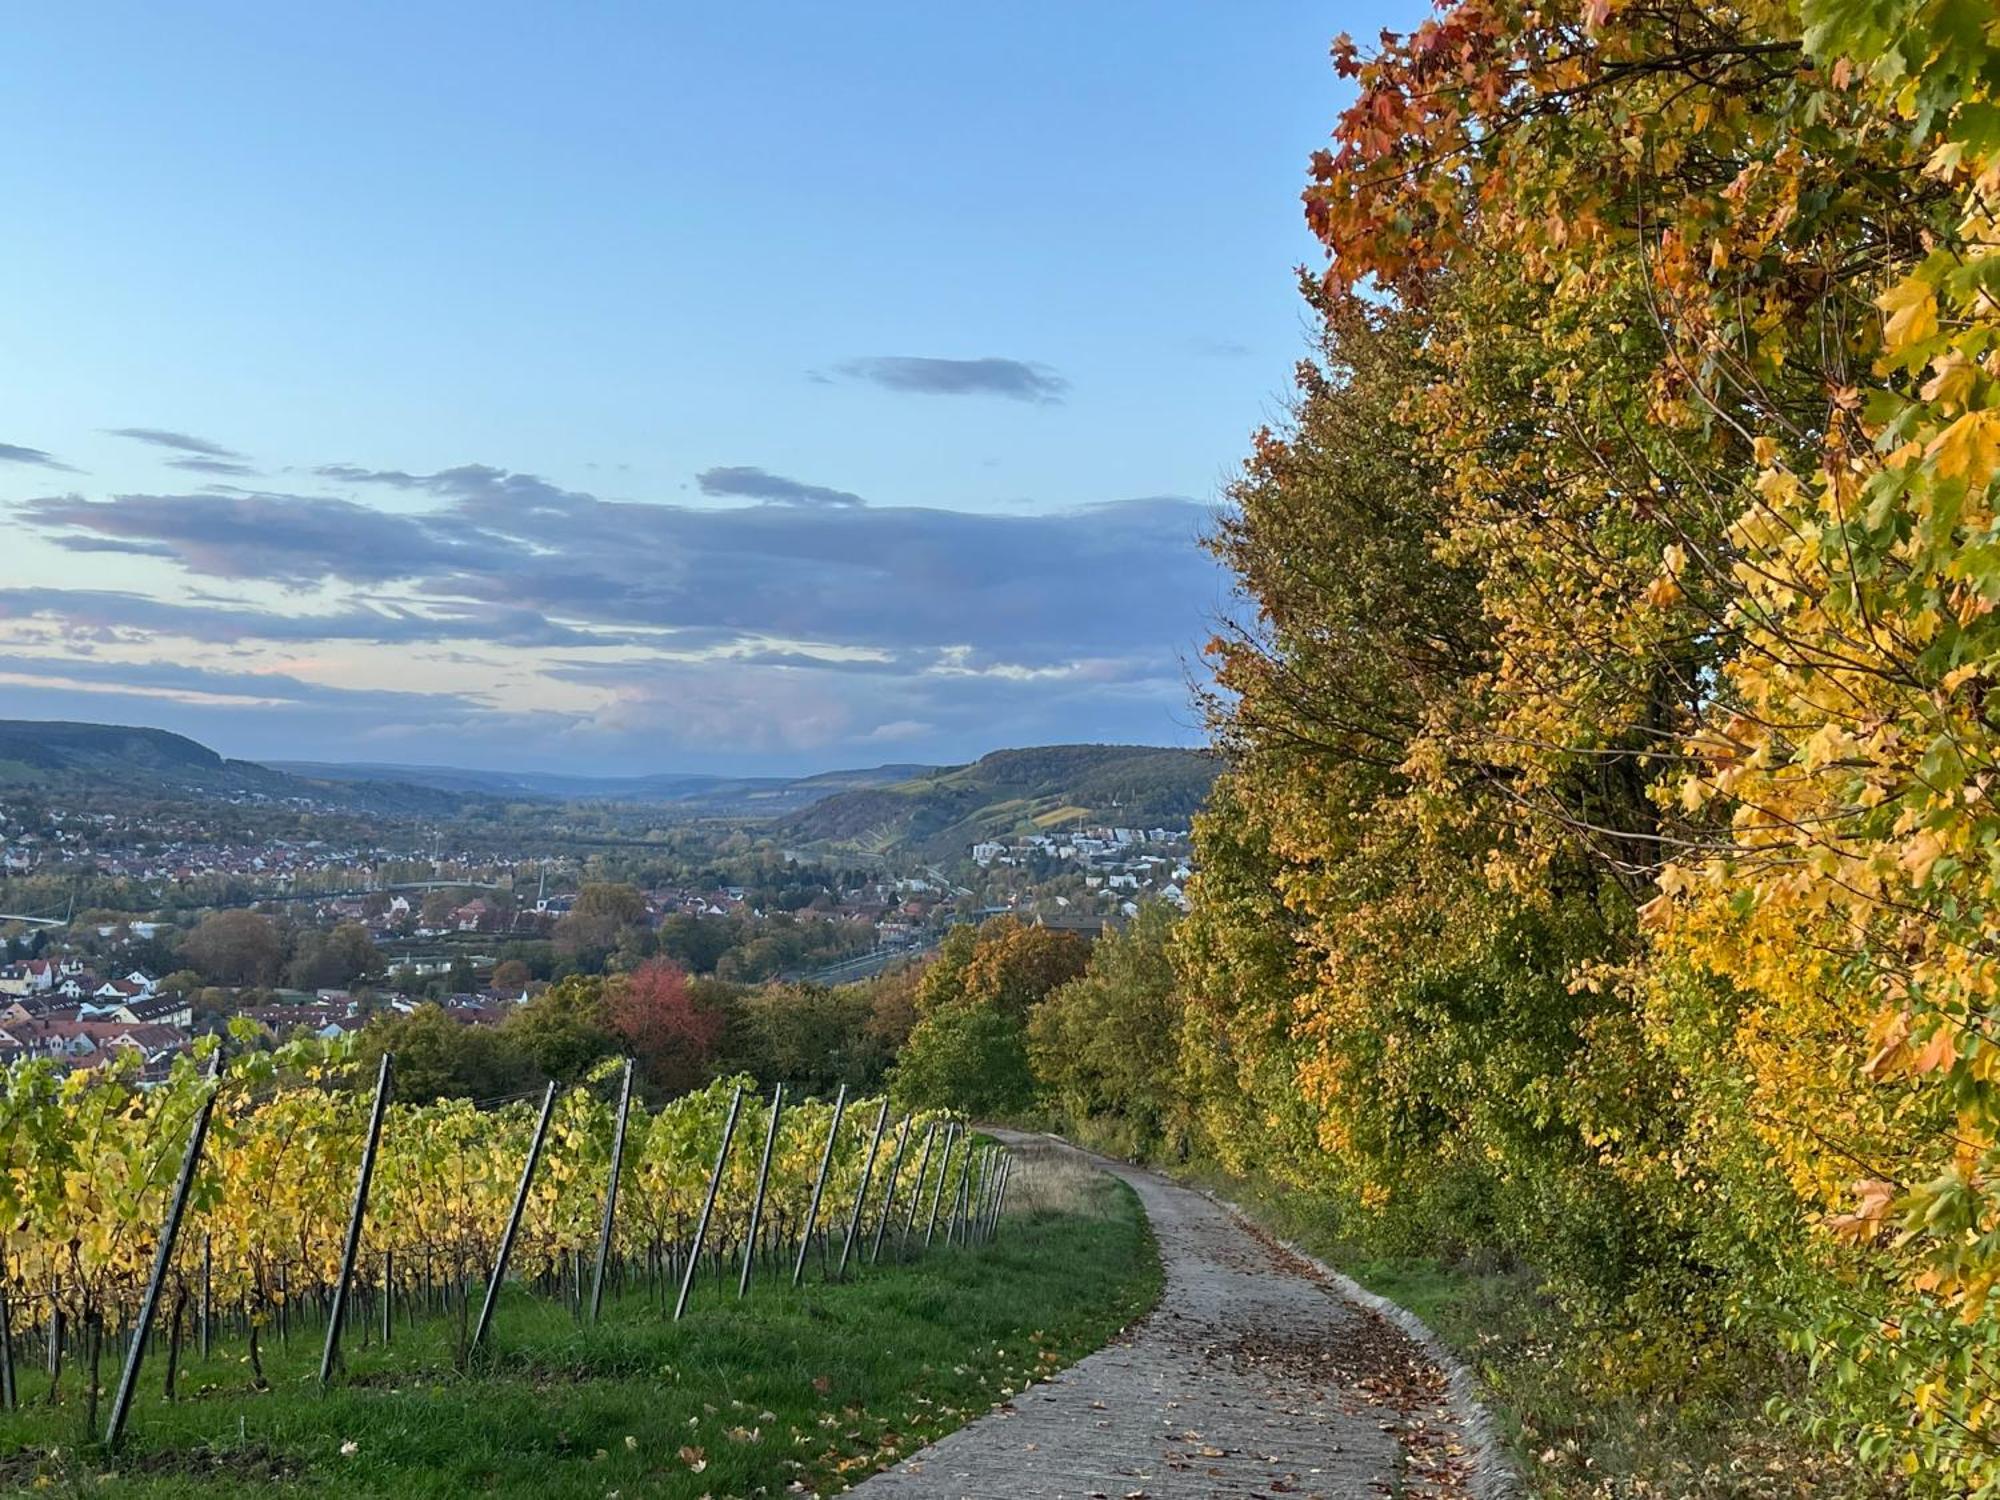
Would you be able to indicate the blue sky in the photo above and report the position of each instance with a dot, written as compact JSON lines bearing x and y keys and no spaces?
{"x":621,"y":387}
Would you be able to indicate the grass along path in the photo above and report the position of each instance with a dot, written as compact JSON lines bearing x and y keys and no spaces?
{"x":814,"y":1387}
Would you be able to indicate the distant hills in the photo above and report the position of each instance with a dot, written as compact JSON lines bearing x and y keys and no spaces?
{"x":929,"y":812}
{"x":54,"y":755}
{"x":742,"y":796}
{"x":939,"y":815}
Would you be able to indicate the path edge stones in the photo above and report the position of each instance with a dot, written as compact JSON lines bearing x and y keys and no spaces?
{"x":1490,"y":1467}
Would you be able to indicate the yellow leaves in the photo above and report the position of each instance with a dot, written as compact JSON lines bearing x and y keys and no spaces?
{"x":1828,"y":744}
{"x":1873,"y":1199}
{"x":1920,"y":853}
{"x":1663,"y":592}
{"x":1665,"y":589}
{"x":1938,"y":1054}
{"x":1891,"y":1034}
{"x":1969,"y":449}
{"x":1913,"y":314}
{"x":1952,"y":382}
{"x":1781,"y":491}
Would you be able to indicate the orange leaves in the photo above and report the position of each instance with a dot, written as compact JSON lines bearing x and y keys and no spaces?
{"x":1873,"y":1199}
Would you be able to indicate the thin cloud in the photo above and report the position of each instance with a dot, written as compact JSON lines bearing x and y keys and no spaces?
{"x":223,"y":466}
{"x":108,"y":613}
{"x":1013,"y":379}
{"x":13,"y":453}
{"x":355,"y":474}
{"x":751,"y":483}
{"x":185,"y":442}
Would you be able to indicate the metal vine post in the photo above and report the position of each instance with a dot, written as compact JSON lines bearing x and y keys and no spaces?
{"x":917,"y":1191}
{"x":708,"y":1203}
{"x":944,"y":1171}
{"x":352,"y":1245}
{"x":889,"y":1191}
{"x":611,"y":1192}
{"x":763,"y":1182}
{"x":819,"y":1185}
{"x":514,"y":1220}
{"x":121,"y":1403}
{"x":861,"y":1192}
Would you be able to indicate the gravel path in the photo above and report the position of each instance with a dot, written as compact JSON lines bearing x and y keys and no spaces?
{"x":1254,"y":1376}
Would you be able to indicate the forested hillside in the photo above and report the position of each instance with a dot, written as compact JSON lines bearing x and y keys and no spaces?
{"x":1604,"y":880}
{"x":940,"y":815}
{"x":129,"y":760}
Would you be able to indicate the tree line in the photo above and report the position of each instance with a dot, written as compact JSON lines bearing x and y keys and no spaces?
{"x":1606,"y":873}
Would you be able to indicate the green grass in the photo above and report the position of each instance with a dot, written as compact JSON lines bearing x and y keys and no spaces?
{"x":818,"y":1386}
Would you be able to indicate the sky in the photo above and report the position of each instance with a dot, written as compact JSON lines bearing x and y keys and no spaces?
{"x":619,"y":388}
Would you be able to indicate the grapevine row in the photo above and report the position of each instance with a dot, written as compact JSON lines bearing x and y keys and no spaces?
{"x":89,"y":1160}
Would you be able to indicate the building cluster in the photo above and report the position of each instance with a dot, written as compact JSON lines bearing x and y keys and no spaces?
{"x":333,"y":1013}
{"x":58,"y":1007}
{"x":1120,"y":867}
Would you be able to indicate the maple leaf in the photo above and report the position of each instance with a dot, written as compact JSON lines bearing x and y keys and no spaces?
{"x":1970,"y":448}
{"x":1913,"y":314}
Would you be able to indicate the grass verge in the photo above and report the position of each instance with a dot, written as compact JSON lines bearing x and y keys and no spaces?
{"x":792,"y":1390}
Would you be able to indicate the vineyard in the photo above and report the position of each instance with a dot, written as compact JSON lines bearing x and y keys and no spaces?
{"x":270,"y":1152}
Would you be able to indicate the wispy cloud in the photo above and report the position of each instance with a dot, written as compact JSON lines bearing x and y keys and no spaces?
{"x":1028,"y":586}
{"x":106,"y":614}
{"x":1014,"y":379}
{"x":773,"y":489}
{"x":223,"y":466}
{"x":185,"y":442}
{"x":14,"y":453}
{"x":1214,"y":348}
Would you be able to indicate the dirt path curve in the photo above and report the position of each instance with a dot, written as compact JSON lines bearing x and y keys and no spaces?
{"x":1254,"y":1376}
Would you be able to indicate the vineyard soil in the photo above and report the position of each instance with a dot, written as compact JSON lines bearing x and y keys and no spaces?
{"x":819,"y":1385}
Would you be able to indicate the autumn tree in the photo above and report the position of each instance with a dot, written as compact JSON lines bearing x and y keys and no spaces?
{"x":564,"y":1030}
{"x":438,"y":1056}
{"x":601,"y":919}
{"x":653,"y":1013}
{"x":336,"y":957}
{"x":511,"y":976}
{"x":811,"y":1038}
{"x":236,"y":948}
{"x":1630,"y":870}
{"x":968,"y":1049}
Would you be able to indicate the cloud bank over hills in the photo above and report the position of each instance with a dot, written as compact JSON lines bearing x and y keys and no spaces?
{"x":485,"y":615}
